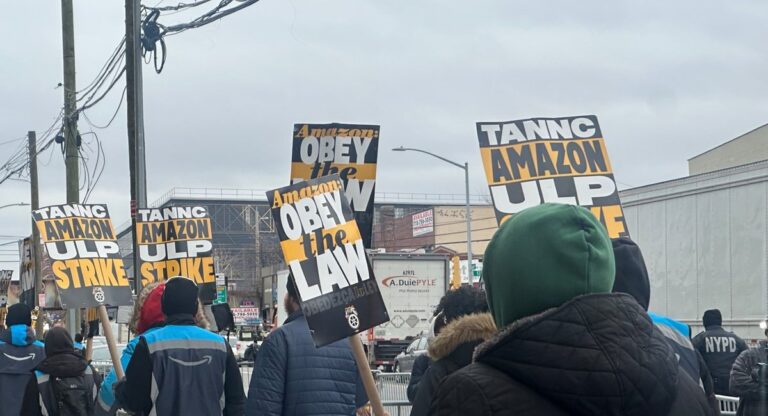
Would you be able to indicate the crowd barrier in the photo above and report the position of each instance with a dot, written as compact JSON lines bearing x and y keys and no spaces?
{"x":728,"y":405}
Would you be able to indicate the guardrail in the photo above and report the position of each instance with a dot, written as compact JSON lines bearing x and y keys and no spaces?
{"x":728,"y":405}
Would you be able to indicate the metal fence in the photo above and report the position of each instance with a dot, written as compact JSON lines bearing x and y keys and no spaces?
{"x":728,"y":405}
{"x":393,"y":388}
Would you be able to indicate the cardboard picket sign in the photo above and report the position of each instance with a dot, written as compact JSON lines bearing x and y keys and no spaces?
{"x":85,"y":258}
{"x":564,"y":160}
{"x":176,"y":241}
{"x":324,"y":250}
{"x":349,"y":150}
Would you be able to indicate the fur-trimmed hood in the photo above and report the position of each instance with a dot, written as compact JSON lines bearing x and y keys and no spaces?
{"x":471,"y":328}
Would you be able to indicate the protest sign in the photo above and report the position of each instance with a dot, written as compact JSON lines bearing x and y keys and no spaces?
{"x":323,"y":248}
{"x":85,"y":258}
{"x":5,"y":282}
{"x":563,"y":160}
{"x":349,"y":150}
{"x":176,"y":241}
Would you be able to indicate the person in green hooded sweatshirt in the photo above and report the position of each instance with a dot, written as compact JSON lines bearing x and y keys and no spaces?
{"x":566,"y":345}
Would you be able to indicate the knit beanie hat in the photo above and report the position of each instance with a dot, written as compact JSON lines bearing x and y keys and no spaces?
{"x":152,"y":310}
{"x":631,"y":273}
{"x":18,"y":314}
{"x":544,"y":256}
{"x":180,"y":296}
{"x":712,"y":317}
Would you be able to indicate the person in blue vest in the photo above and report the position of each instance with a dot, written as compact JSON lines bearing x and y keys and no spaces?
{"x":181,"y":369}
{"x":147,"y":317}
{"x":20,"y":353}
{"x":632,"y":278}
{"x":294,"y":378}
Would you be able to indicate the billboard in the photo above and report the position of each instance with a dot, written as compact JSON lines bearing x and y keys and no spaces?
{"x":423,"y":223}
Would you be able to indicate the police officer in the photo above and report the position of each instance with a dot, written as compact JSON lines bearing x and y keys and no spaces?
{"x":182,"y":369}
{"x":20,"y":353}
{"x":719,"y":349}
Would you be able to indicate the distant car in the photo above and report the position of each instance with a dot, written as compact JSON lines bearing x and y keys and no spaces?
{"x":404,"y":360}
{"x":100,"y":358}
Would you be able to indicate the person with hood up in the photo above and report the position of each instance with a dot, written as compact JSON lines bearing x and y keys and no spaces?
{"x":566,"y":345}
{"x":462,"y":324}
{"x":182,"y":369}
{"x":719,"y":349}
{"x":749,"y":380}
{"x":65,"y":384}
{"x":632,"y":278}
{"x":20,"y":353}
{"x":147,"y":317}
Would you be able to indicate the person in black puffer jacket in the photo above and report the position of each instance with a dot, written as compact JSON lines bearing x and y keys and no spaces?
{"x":749,"y":380}
{"x":462,"y":325}
{"x":567,"y":346}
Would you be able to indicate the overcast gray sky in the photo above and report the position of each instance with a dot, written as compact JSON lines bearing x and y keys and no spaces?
{"x":667,"y":80}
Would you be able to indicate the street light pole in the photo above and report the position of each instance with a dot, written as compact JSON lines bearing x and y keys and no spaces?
{"x":468,"y":215}
{"x":18,"y":204}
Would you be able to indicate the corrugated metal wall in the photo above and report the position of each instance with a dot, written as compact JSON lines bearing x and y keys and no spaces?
{"x":704,"y":239}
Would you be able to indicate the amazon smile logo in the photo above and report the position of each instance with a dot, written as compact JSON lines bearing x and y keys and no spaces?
{"x":31,"y":356}
{"x":206,"y":360}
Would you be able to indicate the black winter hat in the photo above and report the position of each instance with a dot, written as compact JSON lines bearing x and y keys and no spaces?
{"x":631,"y":273}
{"x":58,"y":341}
{"x":18,"y":314}
{"x":180,"y":296}
{"x":712,"y":317}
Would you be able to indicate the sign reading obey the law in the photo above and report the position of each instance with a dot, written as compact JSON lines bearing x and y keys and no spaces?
{"x":324,"y":250}
{"x":85,"y":258}
{"x":349,"y":150}
{"x":177,"y":241}
{"x":561,"y":160}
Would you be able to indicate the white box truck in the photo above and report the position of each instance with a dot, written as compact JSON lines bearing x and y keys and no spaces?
{"x":411,"y":285}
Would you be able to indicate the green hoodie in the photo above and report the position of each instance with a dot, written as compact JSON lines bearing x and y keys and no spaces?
{"x":544,"y":256}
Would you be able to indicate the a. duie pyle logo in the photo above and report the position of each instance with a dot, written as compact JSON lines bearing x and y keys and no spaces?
{"x":404,"y":281}
{"x":352,"y":318}
{"x":98,"y":294}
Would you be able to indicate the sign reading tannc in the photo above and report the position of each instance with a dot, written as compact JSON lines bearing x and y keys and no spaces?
{"x":561,"y":160}
{"x":324,"y":250}
{"x":176,"y":241}
{"x":85,"y":258}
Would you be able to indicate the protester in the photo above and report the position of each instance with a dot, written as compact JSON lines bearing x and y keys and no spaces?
{"x":20,"y":353}
{"x":181,"y":369}
{"x":566,"y":346}
{"x":420,"y":366}
{"x":78,"y":344}
{"x":65,"y":384}
{"x":749,"y":380}
{"x":632,"y":278}
{"x":147,"y":317}
{"x":463,"y":323}
{"x":719,"y":349}
{"x":294,"y":378}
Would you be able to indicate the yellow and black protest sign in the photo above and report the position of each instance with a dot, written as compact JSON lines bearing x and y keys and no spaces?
{"x":562,"y":160}
{"x":176,"y":241}
{"x":349,"y":150}
{"x":324,"y":250}
{"x":85,"y":258}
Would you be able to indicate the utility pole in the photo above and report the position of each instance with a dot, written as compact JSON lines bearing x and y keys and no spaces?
{"x":35,"y":243}
{"x":70,"y":127}
{"x":135,"y":106}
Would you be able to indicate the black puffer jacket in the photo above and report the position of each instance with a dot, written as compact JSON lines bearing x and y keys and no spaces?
{"x":451,"y":350}
{"x":746,"y":381}
{"x":594,"y":355}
